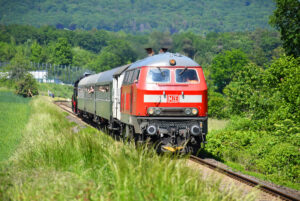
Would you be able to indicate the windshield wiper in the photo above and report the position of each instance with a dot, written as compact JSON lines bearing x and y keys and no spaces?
{"x":162,"y":73}
{"x":183,"y":71}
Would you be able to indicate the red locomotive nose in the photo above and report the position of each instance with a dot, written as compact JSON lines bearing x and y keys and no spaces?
{"x":168,"y":91}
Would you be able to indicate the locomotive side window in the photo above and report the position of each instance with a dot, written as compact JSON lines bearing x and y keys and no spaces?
{"x":126,"y":77}
{"x":131,"y":76}
{"x":135,"y":75}
{"x":186,"y":76}
{"x":158,"y":75}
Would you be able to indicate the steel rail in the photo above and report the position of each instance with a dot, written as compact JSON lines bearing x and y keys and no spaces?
{"x":249,"y":181}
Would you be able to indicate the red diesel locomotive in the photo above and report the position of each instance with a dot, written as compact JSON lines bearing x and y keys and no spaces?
{"x":162,"y":98}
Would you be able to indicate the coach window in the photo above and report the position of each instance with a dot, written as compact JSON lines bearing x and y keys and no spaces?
{"x":103,"y":89}
{"x":158,"y":75}
{"x":186,"y":76}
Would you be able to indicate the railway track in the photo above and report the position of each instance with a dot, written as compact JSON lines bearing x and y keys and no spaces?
{"x":247,"y":180}
{"x":276,"y":192}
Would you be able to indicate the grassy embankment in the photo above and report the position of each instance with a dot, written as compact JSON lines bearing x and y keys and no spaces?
{"x":54,"y":162}
{"x":14,"y":115}
{"x":258,"y":153}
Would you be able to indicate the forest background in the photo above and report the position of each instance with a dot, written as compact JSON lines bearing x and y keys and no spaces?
{"x":252,"y":70}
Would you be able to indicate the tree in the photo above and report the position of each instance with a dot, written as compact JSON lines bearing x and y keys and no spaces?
{"x":27,"y":86}
{"x":286,"y":18}
{"x":7,"y":51}
{"x":62,"y":52}
{"x":36,"y":53}
{"x":244,"y":93}
{"x":283,"y":76}
{"x":225,"y":65}
{"x":106,"y":61}
{"x":18,"y":66}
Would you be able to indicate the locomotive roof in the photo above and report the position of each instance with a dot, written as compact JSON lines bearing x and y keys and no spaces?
{"x":163,"y":59}
{"x":155,"y":60}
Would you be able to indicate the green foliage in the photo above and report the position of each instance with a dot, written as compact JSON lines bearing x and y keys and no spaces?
{"x":286,"y":18}
{"x":82,"y":57}
{"x":15,"y":112}
{"x":62,"y":52}
{"x":244,"y":92}
{"x":37,"y":53}
{"x":141,"y":16}
{"x":27,"y":86}
{"x":216,"y":105}
{"x":225,"y":65}
{"x":7,"y":51}
{"x":267,"y":140}
{"x":117,"y":53}
{"x":38,"y":44}
{"x":93,"y":41}
{"x":284,"y":76}
{"x":258,"y":92}
{"x":105,"y":61}
{"x":18,"y":66}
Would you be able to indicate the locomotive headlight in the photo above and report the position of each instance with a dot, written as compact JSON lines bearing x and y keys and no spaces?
{"x":194,"y":111}
{"x":195,"y":130}
{"x":188,"y":111}
{"x":150,"y":111}
{"x":157,"y":111}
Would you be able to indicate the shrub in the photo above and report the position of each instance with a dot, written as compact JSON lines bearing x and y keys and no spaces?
{"x":27,"y":86}
{"x":216,"y":105}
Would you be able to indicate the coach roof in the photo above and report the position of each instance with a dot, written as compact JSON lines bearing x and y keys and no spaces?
{"x":164,"y":60}
{"x":103,"y":77}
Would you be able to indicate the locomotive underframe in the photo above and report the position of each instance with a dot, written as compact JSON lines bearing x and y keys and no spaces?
{"x":175,"y":132}
{"x":172,"y":132}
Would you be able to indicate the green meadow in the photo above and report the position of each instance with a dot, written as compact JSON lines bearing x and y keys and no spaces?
{"x":14,"y":115}
{"x":57,"y":159}
{"x":63,"y":91}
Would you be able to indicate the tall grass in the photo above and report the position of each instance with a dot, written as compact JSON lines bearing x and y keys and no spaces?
{"x":14,"y":115}
{"x":216,"y":124}
{"x":54,"y":163}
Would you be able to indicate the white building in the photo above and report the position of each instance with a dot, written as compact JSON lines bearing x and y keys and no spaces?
{"x":42,"y":77}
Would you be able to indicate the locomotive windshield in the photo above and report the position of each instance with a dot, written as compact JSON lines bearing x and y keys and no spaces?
{"x":186,"y":76}
{"x":158,"y":75}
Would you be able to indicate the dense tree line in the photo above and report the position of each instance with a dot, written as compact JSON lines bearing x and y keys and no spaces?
{"x":99,"y":50}
{"x":141,"y":16}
